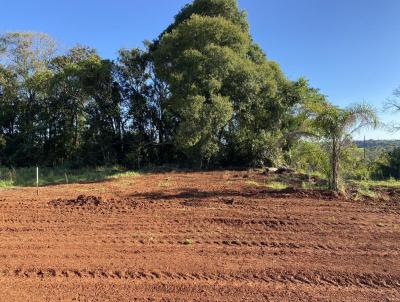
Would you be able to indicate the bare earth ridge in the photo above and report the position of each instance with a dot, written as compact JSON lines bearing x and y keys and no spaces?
{"x":208,"y":236}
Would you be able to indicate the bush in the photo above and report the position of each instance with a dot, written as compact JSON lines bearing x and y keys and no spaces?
{"x":310,"y":157}
{"x":313,"y":158}
{"x":354,"y":166}
{"x":388,"y":165}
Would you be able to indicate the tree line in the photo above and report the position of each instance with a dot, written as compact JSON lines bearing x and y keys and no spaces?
{"x":202,"y":94}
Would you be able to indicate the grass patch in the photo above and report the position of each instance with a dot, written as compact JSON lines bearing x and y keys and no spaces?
{"x":124,"y":175}
{"x":362,"y":189}
{"x":6,"y":183}
{"x":26,"y":177}
{"x":368,"y":188}
{"x":390,"y":183}
{"x":276,"y":185}
{"x":254,"y":183}
{"x":312,"y":186}
{"x":366,"y":191}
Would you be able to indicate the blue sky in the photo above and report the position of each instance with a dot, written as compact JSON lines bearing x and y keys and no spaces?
{"x":349,"y":49}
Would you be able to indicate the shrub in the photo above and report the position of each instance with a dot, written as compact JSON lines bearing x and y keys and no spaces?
{"x":388,"y":165}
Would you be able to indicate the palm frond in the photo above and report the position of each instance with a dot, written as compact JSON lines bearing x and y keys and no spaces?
{"x":361,"y":116}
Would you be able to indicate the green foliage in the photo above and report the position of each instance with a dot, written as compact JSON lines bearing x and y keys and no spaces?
{"x":310,"y":157}
{"x":314,"y":157}
{"x":388,"y":165}
{"x":364,"y":190}
{"x":353,"y":164}
{"x":228,"y":9}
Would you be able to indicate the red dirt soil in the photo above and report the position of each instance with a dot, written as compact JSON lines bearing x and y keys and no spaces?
{"x":195,"y":237}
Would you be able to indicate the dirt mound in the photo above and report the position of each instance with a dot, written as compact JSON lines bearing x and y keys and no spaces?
{"x":81,"y":200}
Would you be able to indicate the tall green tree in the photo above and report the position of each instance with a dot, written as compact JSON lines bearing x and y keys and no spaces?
{"x":195,"y":71}
{"x":67,"y":105}
{"x":25,"y":57}
{"x":103,"y":135}
{"x":9,"y":113}
{"x":227,"y":98}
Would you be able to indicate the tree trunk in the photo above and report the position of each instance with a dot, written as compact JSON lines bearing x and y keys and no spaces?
{"x":335,"y":166}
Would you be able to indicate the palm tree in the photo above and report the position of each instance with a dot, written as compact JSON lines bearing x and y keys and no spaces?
{"x":337,"y":125}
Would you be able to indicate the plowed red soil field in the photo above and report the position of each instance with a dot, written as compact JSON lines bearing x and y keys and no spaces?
{"x":211,"y":236}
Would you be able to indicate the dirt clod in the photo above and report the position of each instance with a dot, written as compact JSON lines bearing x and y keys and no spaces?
{"x":81,"y":200}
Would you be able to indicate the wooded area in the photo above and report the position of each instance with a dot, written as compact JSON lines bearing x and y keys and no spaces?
{"x":202,"y":94}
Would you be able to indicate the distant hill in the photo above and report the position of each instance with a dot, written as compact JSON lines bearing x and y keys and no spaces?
{"x":378,"y":144}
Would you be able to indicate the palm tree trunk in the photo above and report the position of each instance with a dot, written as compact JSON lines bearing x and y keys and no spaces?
{"x":335,"y":166}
